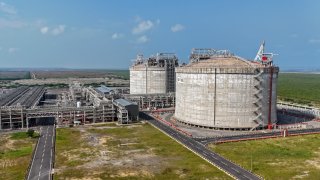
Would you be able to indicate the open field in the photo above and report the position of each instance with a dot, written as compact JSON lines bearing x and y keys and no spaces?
{"x":122,"y":74}
{"x":126,"y":152}
{"x":86,"y":81}
{"x":14,"y":75}
{"x":61,"y":78}
{"x":15,"y":155}
{"x":299,"y":88}
{"x":282,"y":158}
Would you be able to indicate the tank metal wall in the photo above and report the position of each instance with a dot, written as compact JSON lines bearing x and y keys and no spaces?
{"x":137,"y":81}
{"x":147,"y":80}
{"x":266,"y":94}
{"x":223,"y":100}
{"x":156,"y":80}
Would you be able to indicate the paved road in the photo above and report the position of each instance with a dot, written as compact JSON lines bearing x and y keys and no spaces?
{"x":206,"y":141}
{"x":42,"y":162}
{"x":230,"y":168}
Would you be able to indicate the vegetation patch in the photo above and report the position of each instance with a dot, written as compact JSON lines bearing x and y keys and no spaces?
{"x":299,"y":88}
{"x":14,"y":75}
{"x":15,"y":155}
{"x":126,"y":152}
{"x":281,"y":158}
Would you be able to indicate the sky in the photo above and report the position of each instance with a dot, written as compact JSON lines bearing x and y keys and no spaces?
{"x":108,"y":34}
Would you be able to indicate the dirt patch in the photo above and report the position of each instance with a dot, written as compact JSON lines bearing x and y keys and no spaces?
{"x":130,"y":172}
{"x":315,"y":161}
{"x":8,"y":143}
{"x":301,"y":176}
{"x":5,"y":163}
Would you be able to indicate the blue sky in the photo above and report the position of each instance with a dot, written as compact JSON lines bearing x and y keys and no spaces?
{"x":109,"y":33}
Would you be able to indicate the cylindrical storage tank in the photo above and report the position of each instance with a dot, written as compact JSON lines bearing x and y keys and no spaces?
{"x":147,"y":80}
{"x":226,"y":93}
{"x":155,"y":75}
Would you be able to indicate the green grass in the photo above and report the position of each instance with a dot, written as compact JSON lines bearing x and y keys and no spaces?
{"x":14,"y":75}
{"x":105,"y":124}
{"x":21,"y":152}
{"x":15,"y":155}
{"x":299,"y":88}
{"x":23,"y":135}
{"x":174,"y":159}
{"x":281,"y":158}
{"x":124,"y":74}
{"x":19,"y":135}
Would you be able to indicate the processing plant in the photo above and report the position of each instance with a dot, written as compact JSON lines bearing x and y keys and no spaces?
{"x":222,"y":91}
{"x":154,"y":75}
{"x":24,"y":107}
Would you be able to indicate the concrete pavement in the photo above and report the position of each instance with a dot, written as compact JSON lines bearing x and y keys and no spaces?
{"x":244,"y":137}
{"x":223,"y":164}
{"x":41,"y":165}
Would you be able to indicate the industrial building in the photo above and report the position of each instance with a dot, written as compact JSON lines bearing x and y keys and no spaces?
{"x":24,"y":107}
{"x":154,"y":75}
{"x":222,"y":91}
{"x":127,"y":111}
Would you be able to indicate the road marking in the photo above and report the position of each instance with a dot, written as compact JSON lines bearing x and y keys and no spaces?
{"x":39,"y":174}
{"x":193,"y":147}
{"x":35,"y":152}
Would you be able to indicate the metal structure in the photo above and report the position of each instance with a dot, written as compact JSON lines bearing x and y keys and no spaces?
{"x":24,"y":106}
{"x":222,"y":91}
{"x":152,"y":101}
{"x":263,"y":57}
{"x":155,"y":74}
{"x":127,"y":111}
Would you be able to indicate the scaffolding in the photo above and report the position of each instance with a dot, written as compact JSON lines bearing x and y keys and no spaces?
{"x":198,"y":54}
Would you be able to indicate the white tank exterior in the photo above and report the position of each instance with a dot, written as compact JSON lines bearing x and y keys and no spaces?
{"x":225,"y":92}
{"x":155,"y":75}
{"x":147,"y":80}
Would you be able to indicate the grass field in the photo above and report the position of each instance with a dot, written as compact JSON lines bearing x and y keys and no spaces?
{"x":121,"y":73}
{"x":299,"y":88}
{"x":89,"y":73}
{"x":281,"y":158}
{"x":126,"y":152}
{"x":14,"y":75}
{"x":15,"y":155}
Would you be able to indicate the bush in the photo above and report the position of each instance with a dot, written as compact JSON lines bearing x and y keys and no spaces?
{"x":30,"y":132}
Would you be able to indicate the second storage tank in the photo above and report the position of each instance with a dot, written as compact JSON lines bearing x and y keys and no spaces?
{"x":220,"y":90}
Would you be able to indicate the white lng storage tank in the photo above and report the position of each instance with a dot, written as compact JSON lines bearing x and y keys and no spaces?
{"x":154,"y":75}
{"x":222,"y":91}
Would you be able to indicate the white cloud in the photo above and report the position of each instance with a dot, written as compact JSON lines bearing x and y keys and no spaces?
{"x":117,"y":36}
{"x":142,"y":27}
{"x":142,"y":39}
{"x":5,"y":8}
{"x":5,"y":23}
{"x":314,"y":41}
{"x":177,"y":27}
{"x":44,"y":30}
{"x":58,"y":30}
{"x":294,"y":35}
{"x":12,"y":50}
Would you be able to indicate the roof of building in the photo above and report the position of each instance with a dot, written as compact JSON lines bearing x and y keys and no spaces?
{"x":124,"y":102}
{"x":225,"y":62}
{"x":104,"y":89}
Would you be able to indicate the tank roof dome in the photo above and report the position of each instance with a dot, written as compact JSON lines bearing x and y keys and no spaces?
{"x":225,"y":62}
